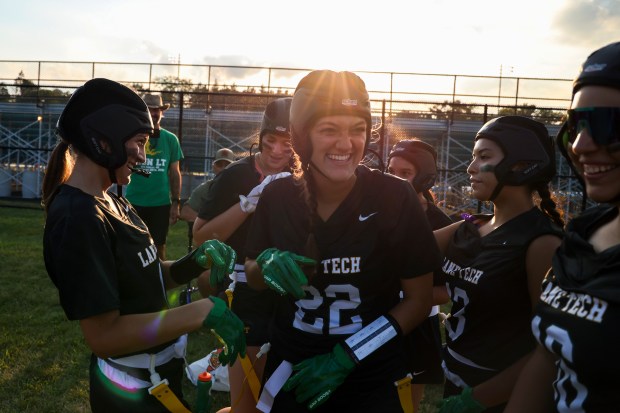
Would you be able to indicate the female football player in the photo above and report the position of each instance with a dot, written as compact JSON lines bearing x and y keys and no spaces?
{"x":416,"y":161}
{"x":103,"y":261}
{"x":338,"y":242}
{"x":573,"y":368}
{"x":494,"y":264}
{"x":226,"y":216}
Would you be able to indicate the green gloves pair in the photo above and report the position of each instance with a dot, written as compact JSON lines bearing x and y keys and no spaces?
{"x":218,"y":257}
{"x":282,"y":271}
{"x":318,"y":377}
{"x":462,"y":403}
{"x":228,"y":329}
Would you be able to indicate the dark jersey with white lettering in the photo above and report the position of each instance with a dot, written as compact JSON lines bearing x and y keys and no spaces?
{"x":101,"y":262}
{"x":491,"y":308}
{"x":578,"y":316}
{"x":253,"y":307}
{"x":376,"y":237}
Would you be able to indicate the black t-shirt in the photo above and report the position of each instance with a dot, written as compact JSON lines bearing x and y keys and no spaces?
{"x":578,"y":316}
{"x":239,"y":178}
{"x":487,"y":281}
{"x":99,"y":261}
{"x":375,"y":238}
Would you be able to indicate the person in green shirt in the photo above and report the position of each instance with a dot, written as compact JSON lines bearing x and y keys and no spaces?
{"x":157,"y":198}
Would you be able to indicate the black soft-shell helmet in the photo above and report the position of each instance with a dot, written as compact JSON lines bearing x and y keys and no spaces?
{"x":421,"y":155}
{"x":528,"y":151}
{"x":103,"y":110}
{"x":276,"y":119}
{"x":326,"y":93}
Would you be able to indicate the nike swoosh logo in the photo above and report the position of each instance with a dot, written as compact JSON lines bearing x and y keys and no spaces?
{"x":364,"y":218}
{"x":417,"y":373}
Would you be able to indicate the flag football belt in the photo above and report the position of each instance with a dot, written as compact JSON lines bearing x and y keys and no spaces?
{"x":142,"y":367}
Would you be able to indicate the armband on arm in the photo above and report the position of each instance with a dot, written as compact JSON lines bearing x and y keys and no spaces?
{"x":370,"y":338}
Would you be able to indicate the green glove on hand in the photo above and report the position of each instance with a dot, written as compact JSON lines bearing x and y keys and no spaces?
{"x":318,"y":377}
{"x":282,"y":271}
{"x":462,"y":403}
{"x":228,"y":329}
{"x":217,"y":256}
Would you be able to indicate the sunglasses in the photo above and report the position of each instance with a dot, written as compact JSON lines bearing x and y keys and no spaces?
{"x":602,"y":124}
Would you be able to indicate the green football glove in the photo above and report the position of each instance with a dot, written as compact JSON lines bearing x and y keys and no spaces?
{"x":217,"y":256}
{"x":282,"y":271}
{"x":228,"y":329}
{"x":462,"y":403}
{"x":318,"y":377}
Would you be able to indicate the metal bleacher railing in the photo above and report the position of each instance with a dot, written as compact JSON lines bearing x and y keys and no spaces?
{"x":217,"y":106}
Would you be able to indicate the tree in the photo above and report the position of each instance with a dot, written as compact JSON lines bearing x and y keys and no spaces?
{"x":453,"y":111}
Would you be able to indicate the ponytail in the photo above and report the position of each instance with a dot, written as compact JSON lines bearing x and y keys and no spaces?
{"x":547,"y":204}
{"x":57,"y":172}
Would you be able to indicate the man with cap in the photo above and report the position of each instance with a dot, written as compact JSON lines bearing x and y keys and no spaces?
{"x":157,"y":198}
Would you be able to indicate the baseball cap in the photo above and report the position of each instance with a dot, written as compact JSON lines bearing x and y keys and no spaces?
{"x":224,"y":154}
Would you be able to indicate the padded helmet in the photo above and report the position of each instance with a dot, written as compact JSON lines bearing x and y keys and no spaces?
{"x":423,"y":156}
{"x":528,"y":151}
{"x":326,"y":93}
{"x":601,"y":68}
{"x":276,"y":119}
{"x":103,"y":110}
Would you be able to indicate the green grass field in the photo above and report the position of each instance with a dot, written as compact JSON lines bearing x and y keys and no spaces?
{"x":43,"y":358}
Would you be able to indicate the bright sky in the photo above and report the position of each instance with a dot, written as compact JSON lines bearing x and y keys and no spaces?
{"x":527,"y":38}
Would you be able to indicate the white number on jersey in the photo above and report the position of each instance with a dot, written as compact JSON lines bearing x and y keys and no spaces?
{"x":457,"y":295}
{"x":557,"y":340}
{"x":308,"y":316}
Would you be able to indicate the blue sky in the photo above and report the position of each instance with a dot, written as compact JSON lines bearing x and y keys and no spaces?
{"x":531,"y":38}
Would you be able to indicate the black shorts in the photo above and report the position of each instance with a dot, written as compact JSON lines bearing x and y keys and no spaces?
{"x":157,"y":219}
{"x":423,"y":349}
{"x":255,"y":309}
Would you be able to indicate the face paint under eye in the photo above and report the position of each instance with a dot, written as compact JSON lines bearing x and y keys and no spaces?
{"x":487,"y":168}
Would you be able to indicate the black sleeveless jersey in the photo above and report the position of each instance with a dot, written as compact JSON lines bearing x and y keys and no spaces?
{"x":578,"y":316}
{"x":239,"y":178}
{"x":377,"y":236}
{"x":491,"y":312}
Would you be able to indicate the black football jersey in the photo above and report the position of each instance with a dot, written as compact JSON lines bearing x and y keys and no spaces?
{"x":99,"y":261}
{"x":489,"y":326}
{"x":577,"y":318}
{"x":239,"y":178}
{"x":377,"y":236}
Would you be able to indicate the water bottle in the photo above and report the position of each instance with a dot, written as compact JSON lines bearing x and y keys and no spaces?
{"x":203,"y":393}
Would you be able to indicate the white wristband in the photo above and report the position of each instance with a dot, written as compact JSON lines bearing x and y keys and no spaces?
{"x":371,"y":337}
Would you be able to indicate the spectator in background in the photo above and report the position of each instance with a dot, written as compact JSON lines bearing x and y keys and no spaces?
{"x":574,"y":367}
{"x":157,"y":198}
{"x":416,"y":162}
{"x":189,"y":212}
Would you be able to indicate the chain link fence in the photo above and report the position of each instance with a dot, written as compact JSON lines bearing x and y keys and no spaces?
{"x":207,"y":117}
